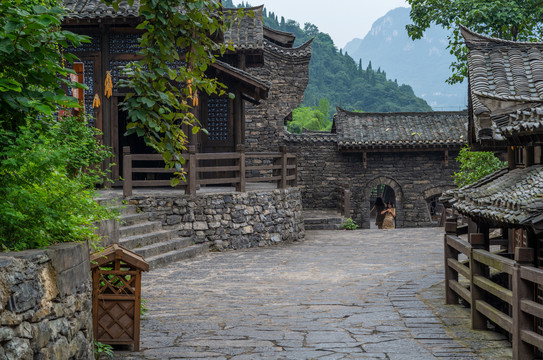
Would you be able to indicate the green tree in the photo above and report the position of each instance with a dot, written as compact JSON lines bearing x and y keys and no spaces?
{"x":47,"y":167}
{"x":475,"y":165}
{"x":505,"y":19}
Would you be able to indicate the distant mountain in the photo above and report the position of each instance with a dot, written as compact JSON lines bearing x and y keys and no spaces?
{"x":423,"y":64}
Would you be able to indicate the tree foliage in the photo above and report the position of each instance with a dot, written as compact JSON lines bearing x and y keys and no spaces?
{"x":180,"y":41}
{"x":311,"y":118}
{"x":505,"y":19}
{"x":47,"y":167}
{"x":475,"y":165}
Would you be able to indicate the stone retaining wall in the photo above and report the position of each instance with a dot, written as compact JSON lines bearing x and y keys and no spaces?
{"x":45,"y":304}
{"x":229,"y":220}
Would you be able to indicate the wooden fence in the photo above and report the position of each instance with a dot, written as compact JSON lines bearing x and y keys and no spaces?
{"x":228,"y":169}
{"x":498,"y":289}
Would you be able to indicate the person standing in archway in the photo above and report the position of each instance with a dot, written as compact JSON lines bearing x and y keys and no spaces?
{"x":379,"y":207}
{"x":389,"y":213}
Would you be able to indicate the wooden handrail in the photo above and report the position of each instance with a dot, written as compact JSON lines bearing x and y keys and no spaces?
{"x":519,"y":295}
{"x":279,"y":167}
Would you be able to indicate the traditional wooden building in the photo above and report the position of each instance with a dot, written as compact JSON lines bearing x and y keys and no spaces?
{"x":506,"y":115}
{"x":114,"y":43}
{"x":407,"y":158}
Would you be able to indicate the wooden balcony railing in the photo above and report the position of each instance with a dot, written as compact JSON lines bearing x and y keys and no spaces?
{"x":509,"y":301}
{"x":228,"y":169}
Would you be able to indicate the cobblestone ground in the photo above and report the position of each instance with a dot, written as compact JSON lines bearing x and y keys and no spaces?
{"x":370,"y":294}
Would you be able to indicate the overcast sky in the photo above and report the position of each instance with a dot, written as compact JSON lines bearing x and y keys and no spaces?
{"x":343,"y":20}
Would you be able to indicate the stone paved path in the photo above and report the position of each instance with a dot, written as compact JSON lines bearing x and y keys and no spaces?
{"x":370,"y":294}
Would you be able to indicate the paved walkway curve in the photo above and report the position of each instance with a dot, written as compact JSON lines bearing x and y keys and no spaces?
{"x":336,"y":295}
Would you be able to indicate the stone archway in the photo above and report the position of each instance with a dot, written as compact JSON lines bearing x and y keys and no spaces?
{"x":362,"y":195}
{"x":431,"y":197}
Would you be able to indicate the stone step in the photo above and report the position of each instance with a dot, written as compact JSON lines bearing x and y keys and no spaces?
{"x":323,"y":226}
{"x":128,"y":209}
{"x":109,"y":201}
{"x":133,"y":219}
{"x":163,"y":247}
{"x":328,"y":220}
{"x":139,"y":229}
{"x":137,"y":241}
{"x":177,"y":255}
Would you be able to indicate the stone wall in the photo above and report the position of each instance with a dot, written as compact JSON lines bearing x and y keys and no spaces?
{"x":229,"y":220}
{"x":413,"y":175}
{"x":45,"y":304}
{"x":288,"y":72}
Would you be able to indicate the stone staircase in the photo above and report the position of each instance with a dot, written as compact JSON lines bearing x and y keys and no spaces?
{"x":158,"y":246}
{"x":322,"y":220}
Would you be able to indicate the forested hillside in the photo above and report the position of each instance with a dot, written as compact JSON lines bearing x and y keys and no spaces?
{"x":335,"y":78}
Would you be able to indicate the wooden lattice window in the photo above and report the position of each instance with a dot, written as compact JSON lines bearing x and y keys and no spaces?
{"x":217,"y":119}
{"x":93,"y":46}
{"x":124,"y":43}
{"x":88,"y":67}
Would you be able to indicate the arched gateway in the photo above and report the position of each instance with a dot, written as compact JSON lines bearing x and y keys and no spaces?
{"x":364,"y":194}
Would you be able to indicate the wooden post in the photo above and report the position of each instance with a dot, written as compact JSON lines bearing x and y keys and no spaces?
{"x":511,"y":158}
{"x":193,"y":169}
{"x":127,"y":171}
{"x":446,"y":158}
{"x":478,"y":321}
{"x":522,"y":289}
{"x":451,"y":298}
{"x":240,"y":187}
{"x":283,"y":181}
{"x":528,"y":156}
{"x":295,"y":182}
{"x":365,"y":159}
{"x":451,"y":225}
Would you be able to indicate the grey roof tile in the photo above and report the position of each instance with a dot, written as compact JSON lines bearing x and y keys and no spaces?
{"x":505,"y":197}
{"x":422,"y":129}
{"x":505,"y":76}
{"x":246,"y":33}
{"x":96,"y":9}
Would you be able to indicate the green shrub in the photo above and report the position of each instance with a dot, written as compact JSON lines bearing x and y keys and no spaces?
{"x":47,"y":176}
{"x":475,"y":165}
{"x":349,"y":224}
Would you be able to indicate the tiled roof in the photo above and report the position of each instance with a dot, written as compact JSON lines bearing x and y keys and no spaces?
{"x":505,"y":197}
{"x":310,"y":136}
{"x":243,"y":76}
{"x":96,"y":9}
{"x":300,"y":52}
{"x":246,"y":33}
{"x":401,"y":130}
{"x":505,"y":77}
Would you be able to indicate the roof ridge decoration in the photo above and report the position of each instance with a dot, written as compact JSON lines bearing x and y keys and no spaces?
{"x":476,"y":38}
{"x":298,"y":52}
{"x":95,"y":9}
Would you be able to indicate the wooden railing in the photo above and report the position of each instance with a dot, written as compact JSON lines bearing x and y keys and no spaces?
{"x":229,"y":169}
{"x":509,"y":303}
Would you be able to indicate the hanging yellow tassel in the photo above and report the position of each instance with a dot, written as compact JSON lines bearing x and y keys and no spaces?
{"x":195,"y":100}
{"x":108,"y":85}
{"x":96,"y":101}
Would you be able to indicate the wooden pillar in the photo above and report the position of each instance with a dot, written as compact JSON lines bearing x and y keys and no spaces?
{"x":240,"y":186}
{"x":451,"y":297}
{"x":446,"y":158}
{"x":478,"y":321}
{"x":127,"y":171}
{"x":522,"y":289}
{"x":529,"y":156}
{"x":511,"y":158}
{"x":365,"y":159}
{"x":193,"y":169}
